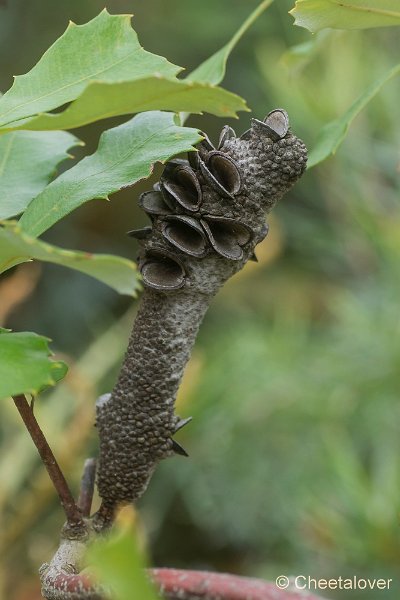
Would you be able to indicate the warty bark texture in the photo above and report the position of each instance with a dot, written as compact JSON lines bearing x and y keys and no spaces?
{"x":207,"y":218}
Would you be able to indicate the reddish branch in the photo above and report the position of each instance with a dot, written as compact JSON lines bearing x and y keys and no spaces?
{"x":176,"y":584}
{"x":72,"y":512}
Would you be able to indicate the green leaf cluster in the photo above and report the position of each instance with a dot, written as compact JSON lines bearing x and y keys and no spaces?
{"x":28,"y":160}
{"x":101,"y":68}
{"x":125,"y":155}
{"x":102,"y":71}
{"x":16,"y":247}
{"x":26,"y":366}
{"x":92,"y":72}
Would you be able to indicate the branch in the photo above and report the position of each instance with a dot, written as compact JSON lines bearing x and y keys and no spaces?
{"x":187,"y":254}
{"x":72,"y":512}
{"x":87,"y":487}
{"x":175,"y":584}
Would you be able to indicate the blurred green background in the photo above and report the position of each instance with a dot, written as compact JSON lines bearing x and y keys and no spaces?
{"x":294,"y":382}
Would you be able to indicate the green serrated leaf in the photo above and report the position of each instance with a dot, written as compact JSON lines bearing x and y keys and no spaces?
{"x":346,"y":14}
{"x":27,"y":162}
{"x":332,"y":134}
{"x":105,"y":49}
{"x":103,"y":100}
{"x":213,"y":69}
{"x":125,"y":155}
{"x":25,"y":365}
{"x":118,"y":564}
{"x":17,"y":247}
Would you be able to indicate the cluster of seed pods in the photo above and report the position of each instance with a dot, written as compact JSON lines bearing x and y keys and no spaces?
{"x":176,"y":205}
{"x":207,"y":215}
{"x":186,"y":219}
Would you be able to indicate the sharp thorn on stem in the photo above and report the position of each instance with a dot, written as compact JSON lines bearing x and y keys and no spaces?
{"x":181,"y":423}
{"x":177,"y":448}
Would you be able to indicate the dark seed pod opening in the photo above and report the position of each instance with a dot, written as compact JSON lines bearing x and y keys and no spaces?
{"x":140,"y":234}
{"x":216,"y":182}
{"x":242,"y":232}
{"x":153,"y":203}
{"x":184,"y":187}
{"x":212,"y":181}
{"x":162,"y":272}
{"x":227,"y":133}
{"x":186,"y":234}
{"x":193,"y":158}
{"x":171,"y":165}
{"x":205,"y":146}
{"x":223,"y":239}
{"x":275,"y":124}
{"x":225,"y":170}
{"x":168,"y":198}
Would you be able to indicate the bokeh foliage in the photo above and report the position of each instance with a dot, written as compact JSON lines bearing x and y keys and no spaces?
{"x":294,"y":384}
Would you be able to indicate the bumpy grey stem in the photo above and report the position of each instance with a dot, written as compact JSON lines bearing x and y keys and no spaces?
{"x":207,"y":218}
{"x":137,"y":422}
{"x":137,"y":425}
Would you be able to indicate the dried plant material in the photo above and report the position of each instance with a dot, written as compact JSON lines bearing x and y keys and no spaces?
{"x":204,"y":234}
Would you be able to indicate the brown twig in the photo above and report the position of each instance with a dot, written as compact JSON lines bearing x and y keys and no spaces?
{"x":178,"y":584}
{"x":87,"y":487}
{"x":72,"y":512}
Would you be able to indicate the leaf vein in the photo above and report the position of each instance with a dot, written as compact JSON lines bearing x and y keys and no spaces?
{"x":90,"y":77}
{"x":61,"y":200}
{"x":373,"y":9}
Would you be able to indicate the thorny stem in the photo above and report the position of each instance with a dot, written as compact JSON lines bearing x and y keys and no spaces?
{"x":183,"y":267}
{"x":72,"y":512}
{"x":87,"y":487}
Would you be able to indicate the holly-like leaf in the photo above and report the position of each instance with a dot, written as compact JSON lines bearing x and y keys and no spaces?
{"x":105,"y":49}
{"x":118,"y":564}
{"x":346,"y":14}
{"x":333,"y":133}
{"x":103,"y":70}
{"x":125,"y":155}
{"x":102,"y":100}
{"x":28,"y":160}
{"x":213,"y":69}
{"x":25,"y":365}
{"x":17,"y":247}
